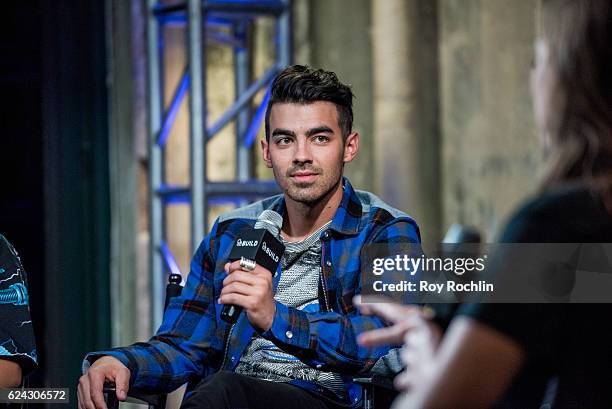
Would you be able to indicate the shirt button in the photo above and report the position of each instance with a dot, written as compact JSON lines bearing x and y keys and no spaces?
{"x":233,"y":358}
{"x":328,"y":263}
{"x":326,"y":235}
{"x":289,"y":334}
{"x":319,"y":366}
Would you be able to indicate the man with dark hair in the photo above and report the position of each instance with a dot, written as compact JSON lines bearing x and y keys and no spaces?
{"x":300,"y":84}
{"x":295,"y":345}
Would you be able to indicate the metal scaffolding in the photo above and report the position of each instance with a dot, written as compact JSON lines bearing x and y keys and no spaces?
{"x":225,"y":22}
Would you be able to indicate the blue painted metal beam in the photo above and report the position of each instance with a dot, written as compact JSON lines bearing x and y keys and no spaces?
{"x":270,"y":7}
{"x":173,"y":108}
{"x":169,"y":259}
{"x":244,"y":99}
{"x":257,"y":120}
{"x":172,"y":194}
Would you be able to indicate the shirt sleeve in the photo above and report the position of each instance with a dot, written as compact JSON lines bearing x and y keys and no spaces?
{"x":16,"y":333}
{"x":180,"y":348}
{"x":328,"y":340}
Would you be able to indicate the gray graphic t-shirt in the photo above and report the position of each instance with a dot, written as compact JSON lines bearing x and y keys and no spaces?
{"x":298,"y":288}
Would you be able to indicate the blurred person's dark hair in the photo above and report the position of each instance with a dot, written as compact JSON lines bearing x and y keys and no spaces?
{"x":579,"y":36}
{"x":301,"y":84}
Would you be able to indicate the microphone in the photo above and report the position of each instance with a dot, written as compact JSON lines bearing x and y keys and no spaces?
{"x":259,"y":245}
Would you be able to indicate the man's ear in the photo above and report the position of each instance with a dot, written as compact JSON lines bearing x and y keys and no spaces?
{"x":351,"y":147}
{"x":265,"y":151}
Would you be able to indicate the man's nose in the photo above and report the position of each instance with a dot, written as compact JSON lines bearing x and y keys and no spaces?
{"x":302,"y":152}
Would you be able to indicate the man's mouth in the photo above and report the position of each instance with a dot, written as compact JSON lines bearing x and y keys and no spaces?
{"x":304,"y":176}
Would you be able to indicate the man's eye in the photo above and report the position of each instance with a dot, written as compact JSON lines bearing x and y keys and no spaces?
{"x":321,"y":139}
{"x":283,"y":141}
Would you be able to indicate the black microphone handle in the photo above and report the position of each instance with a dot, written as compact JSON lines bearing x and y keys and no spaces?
{"x":230,"y":313}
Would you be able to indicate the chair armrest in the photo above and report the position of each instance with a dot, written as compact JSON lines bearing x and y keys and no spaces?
{"x":385,"y":382}
{"x":135,"y":396}
{"x":110,"y":398}
{"x":378,"y":391}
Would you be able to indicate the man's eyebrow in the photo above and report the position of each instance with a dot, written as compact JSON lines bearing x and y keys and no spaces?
{"x":319,"y":129}
{"x":284,"y":132}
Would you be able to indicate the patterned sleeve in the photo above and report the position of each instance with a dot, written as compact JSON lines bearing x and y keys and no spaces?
{"x":16,"y":333}
{"x":179,"y":350}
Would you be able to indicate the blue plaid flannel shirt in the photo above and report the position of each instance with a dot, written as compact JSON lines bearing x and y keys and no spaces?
{"x":193,"y":342}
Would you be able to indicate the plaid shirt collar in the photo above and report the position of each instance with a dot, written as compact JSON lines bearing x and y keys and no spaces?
{"x":348,"y":215}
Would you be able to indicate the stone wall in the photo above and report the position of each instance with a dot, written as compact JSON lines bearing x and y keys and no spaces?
{"x":490,"y":152}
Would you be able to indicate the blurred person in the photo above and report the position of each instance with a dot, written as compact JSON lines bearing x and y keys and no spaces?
{"x":528,"y":355}
{"x":17,"y":346}
{"x":295,"y":345}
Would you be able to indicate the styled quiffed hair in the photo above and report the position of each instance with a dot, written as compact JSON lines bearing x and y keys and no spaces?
{"x":301,"y":84}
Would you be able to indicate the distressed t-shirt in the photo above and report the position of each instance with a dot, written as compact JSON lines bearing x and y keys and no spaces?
{"x":298,"y":288}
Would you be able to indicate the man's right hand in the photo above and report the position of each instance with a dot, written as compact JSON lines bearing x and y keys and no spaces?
{"x":91,"y":383}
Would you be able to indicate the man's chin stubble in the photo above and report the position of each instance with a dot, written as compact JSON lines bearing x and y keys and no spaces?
{"x":310,"y":200}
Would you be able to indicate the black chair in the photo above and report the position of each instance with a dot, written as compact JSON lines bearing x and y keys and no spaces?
{"x":378,"y":390}
{"x":173,"y":289}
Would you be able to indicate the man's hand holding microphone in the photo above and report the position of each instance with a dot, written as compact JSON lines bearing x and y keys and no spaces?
{"x":251,"y":290}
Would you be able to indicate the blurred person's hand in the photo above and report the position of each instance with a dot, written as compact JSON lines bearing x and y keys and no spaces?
{"x":392,"y":313}
{"x":410,"y":326}
{"x":419,"y":350}
{"x":91,"y":383}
